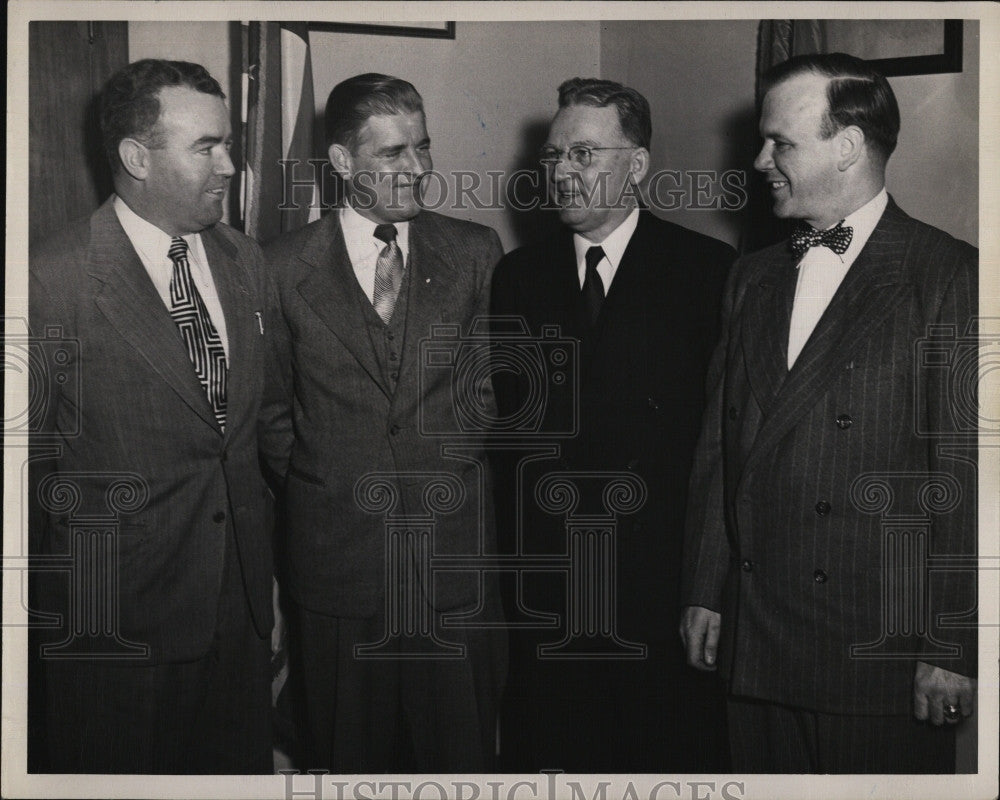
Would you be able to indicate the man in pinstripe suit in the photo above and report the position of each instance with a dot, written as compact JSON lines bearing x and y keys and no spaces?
{"x":823,"y":416}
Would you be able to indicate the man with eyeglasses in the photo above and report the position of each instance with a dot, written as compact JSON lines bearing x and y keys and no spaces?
{"x":641,"y":298}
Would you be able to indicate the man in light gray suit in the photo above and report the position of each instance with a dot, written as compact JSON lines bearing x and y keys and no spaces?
{"x":837,"y":456}
{"x":359,"y":290}
{"x":166,"y":307}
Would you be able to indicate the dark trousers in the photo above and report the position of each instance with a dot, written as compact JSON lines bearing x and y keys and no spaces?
{"x":771,"y":738}
{"x":653,"y":715}
{"x":209,"y":716}
{"x":415,"y":712}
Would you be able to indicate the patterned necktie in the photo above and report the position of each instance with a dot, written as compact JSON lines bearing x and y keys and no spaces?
{"x":388,"y":273}
{"x":204,"y":346}
{"x":805,"y":236}
{"x":593,"y":286}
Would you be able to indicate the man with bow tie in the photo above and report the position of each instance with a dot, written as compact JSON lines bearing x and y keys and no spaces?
{"x":842,"y":651}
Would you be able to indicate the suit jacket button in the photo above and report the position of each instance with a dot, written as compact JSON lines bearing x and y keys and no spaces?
{"x":823,"y":508}
{"x":219,"y":516}
{"x":224,"y":456}
{"x":393,"y":430}
{"x":819,"y":576}
{"x":844,"y":421}
{"x":747,"y":565}
{"x":733,"y":413}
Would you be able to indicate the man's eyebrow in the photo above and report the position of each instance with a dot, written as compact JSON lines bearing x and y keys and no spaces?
{"x":208,"y":140}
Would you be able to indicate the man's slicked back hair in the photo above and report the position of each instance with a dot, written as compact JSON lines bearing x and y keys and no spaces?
{"x":856,"y":94}
{"x":633,"y":109}
{"x":353,"y":101}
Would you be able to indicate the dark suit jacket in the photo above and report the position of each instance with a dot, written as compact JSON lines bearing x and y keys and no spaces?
{"x":786,"y":533}
{"x":343,"y":421}
{"x":139,"y":408}
{"x":640,"y":397}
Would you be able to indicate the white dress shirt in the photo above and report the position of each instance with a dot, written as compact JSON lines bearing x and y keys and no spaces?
{"x":152,"y":245}
{"x":363,"y":248}
{"x":821,"y":272}
{"x":614,"y":248}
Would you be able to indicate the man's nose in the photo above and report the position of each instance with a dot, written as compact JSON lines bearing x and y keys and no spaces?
{"x":414,"y":163}
{"x":764,"y":162}
{"x":224,"y":164}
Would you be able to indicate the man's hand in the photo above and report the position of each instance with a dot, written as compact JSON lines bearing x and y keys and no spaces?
{"x":934,"y":688}
{"x":700,"y":633}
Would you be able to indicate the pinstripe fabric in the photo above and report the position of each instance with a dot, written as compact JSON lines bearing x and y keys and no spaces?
{"x":774,"y":540}
{"x":775,"y":739}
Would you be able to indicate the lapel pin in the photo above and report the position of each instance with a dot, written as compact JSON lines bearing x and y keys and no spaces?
{"x":427,"y":280}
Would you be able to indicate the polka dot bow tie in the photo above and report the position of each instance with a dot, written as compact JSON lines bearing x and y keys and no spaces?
{"x":805,"y":236}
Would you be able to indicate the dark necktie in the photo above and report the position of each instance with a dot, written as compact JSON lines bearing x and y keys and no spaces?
{"x":805,"y":236}
{"x":593,"y":286}
{"x":204,"y":346}
{"x":388,"y":273}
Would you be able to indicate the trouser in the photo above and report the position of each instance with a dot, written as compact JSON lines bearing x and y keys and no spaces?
{"x":415,"y":712}
{"x":771,"y":738}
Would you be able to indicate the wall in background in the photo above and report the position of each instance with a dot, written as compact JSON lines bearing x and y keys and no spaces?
{"x":491,"y":92}
{"x":934,"y":173}
{"x":701,"y":99}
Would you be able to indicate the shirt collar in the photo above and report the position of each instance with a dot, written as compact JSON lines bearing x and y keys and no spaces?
{"x":151,"y":242}
{"x":614,"y":243}
{"x":359,"y":231}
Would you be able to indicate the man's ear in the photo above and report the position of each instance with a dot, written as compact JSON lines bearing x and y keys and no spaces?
{"x":134,"y":156}
{"x":341,"y":160}
{"x":639,"y":164}
{"x":852,"y":146}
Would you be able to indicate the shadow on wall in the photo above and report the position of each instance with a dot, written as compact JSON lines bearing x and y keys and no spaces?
{"x":522,"y":198}
{"x":756,"y":225}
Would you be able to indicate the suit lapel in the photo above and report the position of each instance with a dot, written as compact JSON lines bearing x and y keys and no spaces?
{"x":331,"y":290}
{"x":233,"y":284}
{"x":130,"y":302}
{"x":765,"y":329}
{"x":434,"y":272}
{"x":869,"y":293}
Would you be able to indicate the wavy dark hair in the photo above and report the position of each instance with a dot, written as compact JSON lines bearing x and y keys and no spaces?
{"x":633,"y":109}
{"x":130,"y":104}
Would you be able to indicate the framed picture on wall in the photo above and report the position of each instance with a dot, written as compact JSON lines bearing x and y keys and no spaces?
{"x":899,"y":47}
{"x":426,"y":30}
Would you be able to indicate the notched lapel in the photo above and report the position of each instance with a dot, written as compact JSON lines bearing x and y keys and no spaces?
{"x":130,"y":302}
{"x":767,"y":315}
{"x":233,"y":284}
{"x":434,"y":275}
{"x":330,"y":290}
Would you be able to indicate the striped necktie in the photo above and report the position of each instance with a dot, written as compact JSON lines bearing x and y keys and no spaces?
{"x":204,"y":346}
{"x":388,"y":273}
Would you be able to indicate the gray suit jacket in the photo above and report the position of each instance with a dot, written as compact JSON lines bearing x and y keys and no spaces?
{"x":138,"y":408}
{"x":343,"y":421}
{"x":808,"y":483}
